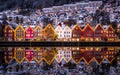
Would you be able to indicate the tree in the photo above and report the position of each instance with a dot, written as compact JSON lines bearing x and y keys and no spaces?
{"x":55,"y":37}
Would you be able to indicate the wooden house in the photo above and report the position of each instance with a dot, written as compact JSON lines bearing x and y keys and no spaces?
{"x":88,"y":33}
{"x":67,"y":33}
{"x":99,"y":33}
{"x":38,"y":33}
{"x":19,"y":33}
{"x":110,"y":34}
{"x":76,"y":33}
{"x":49,"y":33}
{"x":29,"y":33}
{"x":59,"y":32}
{"x":19,"y":54}
{"x":8,"y":33}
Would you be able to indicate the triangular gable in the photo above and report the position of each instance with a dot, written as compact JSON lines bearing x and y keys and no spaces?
{"x":110,"y":27}
{"x":99,"y":25}
{"x":49,"y":25}
{"x":67,"y":27}
{"x":28,"y":28}
{"x":88,"y":25}
{"x":20,"y":26}
{"x":8,"y":26}
{"x":75,"y":27}
{"x":38,"y":27}
{"x":58,"y":27}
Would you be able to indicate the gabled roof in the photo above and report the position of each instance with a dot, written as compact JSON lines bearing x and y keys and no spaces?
{"x":28,"y":27}
{"x":110,"y":27}
{"x":58,"y":27}
{"x":76,"y":26}
{"x":88,"y":25}
{"x":98,"y":25}
{"x":67,"y":27}
{"x":7,"y":27}
{"x":38,"y":27}
{"x":20,"y":26}
{"x":49,"y":25}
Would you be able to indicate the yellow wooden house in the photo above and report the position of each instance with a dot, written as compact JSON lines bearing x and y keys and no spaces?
{"x":19,"y":33}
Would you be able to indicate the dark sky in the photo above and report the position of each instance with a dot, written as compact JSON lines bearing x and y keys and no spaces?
{"x":11,"y":4}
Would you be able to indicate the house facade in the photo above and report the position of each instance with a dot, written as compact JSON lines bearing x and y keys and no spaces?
{"x":19,"y":54}
{"x":77,"y":55}
{"x":38,"y":55}
{"x":76,"y":33}
{"x":59,"y":56}
{"x":59,"y":32}
{"x":29,"y":33}
{"x":38,"y":33}
{"x":29,"y":55}
{"x":19,"y":33}
{"x":88,"y":33}
{"x":99,"y":33}
{"x":9,"y":54}
{"x":110,"y":34}
{"x":49,"y":55}
{"x":67,"y":33}
{"x":49,"y":33}
{"x":67,"y":54}
{"x":8,"y":33}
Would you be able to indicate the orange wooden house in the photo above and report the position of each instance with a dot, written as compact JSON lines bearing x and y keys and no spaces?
{"x":29,"y":33}
{"x":19,"y":33}
{"x":99,"y":33}
{"x":49,"y":33}
{"x":88,"y":33}
{"x":8,"y":33}
{"x":76,"y":33}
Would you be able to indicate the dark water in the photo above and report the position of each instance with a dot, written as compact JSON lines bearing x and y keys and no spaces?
{"x":60,"y":60}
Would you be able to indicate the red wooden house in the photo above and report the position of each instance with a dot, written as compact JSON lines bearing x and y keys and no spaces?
{"x":8,"y":33}
{"x":110,"y":34}
{"x":99,"y":54}
{"x":98,"y":33}
{"x":88,"y":33}
{"x":29,"y":33}
{"x":76,"y":33}
{"x":9,"y":54}
{"x":88,"y":55}
{"x":29,"y":55}
{"x":77,"y":56}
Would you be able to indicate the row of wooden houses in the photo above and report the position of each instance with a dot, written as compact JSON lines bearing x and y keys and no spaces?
{"x":66,"y":54}
{"x":49,"y":33}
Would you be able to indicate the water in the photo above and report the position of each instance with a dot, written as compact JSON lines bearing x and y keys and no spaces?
{"x":60,"y":61}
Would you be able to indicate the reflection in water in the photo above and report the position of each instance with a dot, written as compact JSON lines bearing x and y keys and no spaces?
{"x":41,"y":60}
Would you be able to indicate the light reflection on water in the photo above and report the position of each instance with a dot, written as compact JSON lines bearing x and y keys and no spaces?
{"x":28,"y":59}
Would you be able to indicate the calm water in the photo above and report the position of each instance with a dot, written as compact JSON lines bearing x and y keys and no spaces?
{"x":60,"y":61}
